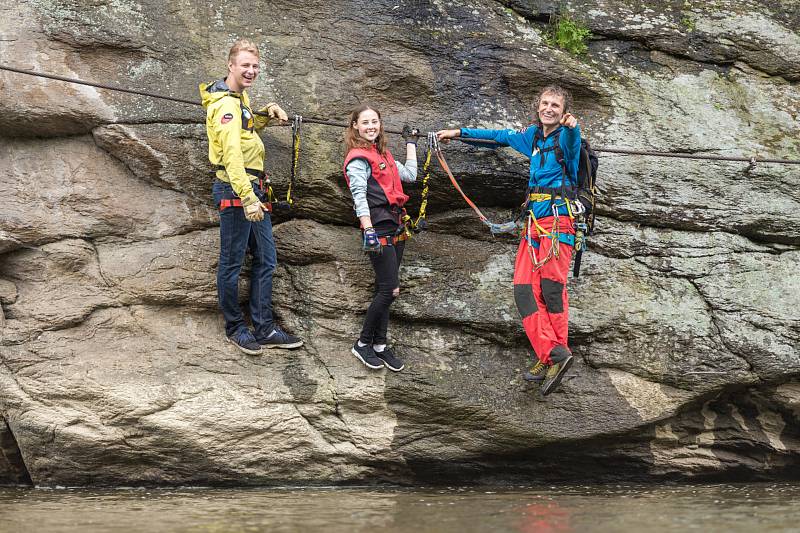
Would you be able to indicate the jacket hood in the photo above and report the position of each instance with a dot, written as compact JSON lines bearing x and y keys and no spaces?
{"x":211,"y":92}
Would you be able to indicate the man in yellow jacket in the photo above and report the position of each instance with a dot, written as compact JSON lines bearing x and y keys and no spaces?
{"x":237,"y":156}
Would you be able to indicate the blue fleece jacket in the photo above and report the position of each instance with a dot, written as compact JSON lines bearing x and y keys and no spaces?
{"x":545,"y":171}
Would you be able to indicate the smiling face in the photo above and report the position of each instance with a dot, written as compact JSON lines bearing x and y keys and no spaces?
{"x":368,"y":125}
{"x":242,"y":71}
{"x":551,"y":109}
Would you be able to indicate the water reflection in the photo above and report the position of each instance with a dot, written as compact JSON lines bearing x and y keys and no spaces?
{"x":558,"y":509}
{"x":544,"y":517}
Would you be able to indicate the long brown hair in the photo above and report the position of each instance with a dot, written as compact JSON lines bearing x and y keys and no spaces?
{"x":353,"y":140}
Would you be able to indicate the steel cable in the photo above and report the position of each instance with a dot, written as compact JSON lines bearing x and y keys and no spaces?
{"x":619,"y":151}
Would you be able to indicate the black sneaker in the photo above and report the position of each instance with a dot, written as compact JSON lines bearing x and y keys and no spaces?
{"x":367,"y":356}
{"x":245,"y":341}
{"x":390,"y":360}
{"x":561,"y":359}
{"x":280,"y":339}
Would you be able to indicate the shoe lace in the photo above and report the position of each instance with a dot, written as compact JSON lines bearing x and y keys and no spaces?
{"x":278,"y":333}
{"x":553,"y":370}
{"x":387,"y":352}
{"x":537,"y":368}
{"x":243,"y":337}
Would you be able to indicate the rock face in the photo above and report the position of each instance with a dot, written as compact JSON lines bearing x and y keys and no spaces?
{"x":113,"y":368}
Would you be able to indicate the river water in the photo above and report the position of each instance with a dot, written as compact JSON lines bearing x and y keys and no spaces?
{"x":619,"y":508}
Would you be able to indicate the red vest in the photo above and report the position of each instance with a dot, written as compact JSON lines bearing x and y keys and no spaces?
{"x":385,"y":195}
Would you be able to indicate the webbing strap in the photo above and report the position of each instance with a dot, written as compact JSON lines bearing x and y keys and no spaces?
{"x":566,"y":238}
{"x":224,"y":204}
{"x":236,"y":202}
{"x":505,"y":227}
{"x":446,"y":168}
{"x":387,"y":241}
{"x":252,"y":171}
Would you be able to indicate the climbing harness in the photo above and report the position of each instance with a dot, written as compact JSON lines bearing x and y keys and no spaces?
{"x":393,"y":239}
{"x":554,"y":234}
{"x":263,"y":184}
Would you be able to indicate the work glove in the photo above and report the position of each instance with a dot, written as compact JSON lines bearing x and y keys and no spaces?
{"x":371,"y":244}
{"x":410,"y":134}
{"x":274,"y":113}
{"x":254,"y":212}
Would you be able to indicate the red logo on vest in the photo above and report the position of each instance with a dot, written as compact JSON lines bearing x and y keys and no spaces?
{"x":227,"y":117}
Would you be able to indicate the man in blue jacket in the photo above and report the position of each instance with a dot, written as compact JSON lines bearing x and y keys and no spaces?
{"x":553,"y":145}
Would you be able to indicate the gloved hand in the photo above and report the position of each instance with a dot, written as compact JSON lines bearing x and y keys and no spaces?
{"x":410,"y":134}
{"x":254,"y":212}
{"x":371,"y":244}
{"x":274,"y":113}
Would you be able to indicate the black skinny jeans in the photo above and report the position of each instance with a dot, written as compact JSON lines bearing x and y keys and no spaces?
{"x":387,"y":269}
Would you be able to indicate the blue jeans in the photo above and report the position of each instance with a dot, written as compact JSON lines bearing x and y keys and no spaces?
{"x":236,"y":234}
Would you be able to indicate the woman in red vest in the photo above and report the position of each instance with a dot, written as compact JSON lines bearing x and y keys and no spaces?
{"x":374,"y":178}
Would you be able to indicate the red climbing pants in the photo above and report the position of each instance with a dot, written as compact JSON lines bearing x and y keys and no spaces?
{"x":541,"y":293}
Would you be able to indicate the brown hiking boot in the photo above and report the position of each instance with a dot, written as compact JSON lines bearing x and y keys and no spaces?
{"x":561,"y":359}
{"x":536,"y":372}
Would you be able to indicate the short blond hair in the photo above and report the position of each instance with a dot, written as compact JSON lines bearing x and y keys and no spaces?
{"x":243,"y":45}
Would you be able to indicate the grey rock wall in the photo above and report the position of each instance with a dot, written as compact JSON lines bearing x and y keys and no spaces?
{"x":113,"y":366}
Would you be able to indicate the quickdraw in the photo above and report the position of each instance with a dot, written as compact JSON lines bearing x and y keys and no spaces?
{"x":294,"y":170}
{"x":421,"y":222}
{"x":297,"y":123}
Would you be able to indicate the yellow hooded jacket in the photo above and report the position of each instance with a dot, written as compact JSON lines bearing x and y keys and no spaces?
{"x":232,"y":139}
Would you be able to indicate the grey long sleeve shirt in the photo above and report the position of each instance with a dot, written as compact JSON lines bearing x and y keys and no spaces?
{"x":359,"y":171}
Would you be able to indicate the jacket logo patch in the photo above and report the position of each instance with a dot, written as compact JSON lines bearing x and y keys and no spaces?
{"x":227,"y":117}
{"x":382,"y":165}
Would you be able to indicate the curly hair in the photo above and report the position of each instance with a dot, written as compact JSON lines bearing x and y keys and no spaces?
{"x":353,"y":140}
